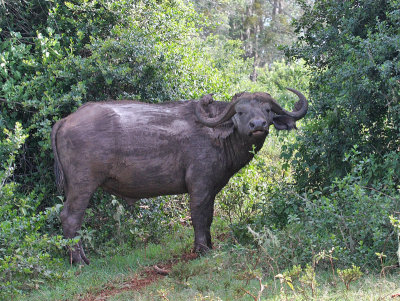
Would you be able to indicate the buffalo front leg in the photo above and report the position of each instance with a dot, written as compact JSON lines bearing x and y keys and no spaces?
{"x":71,"y":220}
{"x":202,"y":210}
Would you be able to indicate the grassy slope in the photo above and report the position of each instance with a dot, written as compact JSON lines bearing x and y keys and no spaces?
{"x":92,"y":278}
{"x":217,"y":276}
{"x":223,"y":285}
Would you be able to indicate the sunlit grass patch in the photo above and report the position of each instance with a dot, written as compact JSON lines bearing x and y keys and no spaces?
{"x":116,"y":269}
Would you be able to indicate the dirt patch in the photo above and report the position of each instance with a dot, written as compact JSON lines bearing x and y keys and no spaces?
{"x":136,"y":283}
{"x":187,"y":257}
{"x":139,"y":281}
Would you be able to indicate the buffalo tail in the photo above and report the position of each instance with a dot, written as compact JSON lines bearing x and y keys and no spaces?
{"x":58,"y":170}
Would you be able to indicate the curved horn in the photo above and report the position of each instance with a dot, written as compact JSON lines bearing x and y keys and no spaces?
{"x":300,"y":110}
{"x":221,"y":118}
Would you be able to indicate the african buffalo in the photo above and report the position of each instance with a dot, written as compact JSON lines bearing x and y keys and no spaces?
{"x":136,"y":150}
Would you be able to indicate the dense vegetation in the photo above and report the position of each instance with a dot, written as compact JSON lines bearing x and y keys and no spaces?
{"x":328,"y":193}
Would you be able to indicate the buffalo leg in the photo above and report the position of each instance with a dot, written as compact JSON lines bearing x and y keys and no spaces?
{"x":201,"y":209}
{"x":72,"y":218}
{"x":210,"y":215}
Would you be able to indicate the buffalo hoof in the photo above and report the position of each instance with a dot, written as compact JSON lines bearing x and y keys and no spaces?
{"x":77,"y":255}
{"x":201,"y":249}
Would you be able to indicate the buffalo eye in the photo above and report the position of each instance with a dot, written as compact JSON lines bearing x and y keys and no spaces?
{"x":240,"y":113}
{"x":268,"y":110}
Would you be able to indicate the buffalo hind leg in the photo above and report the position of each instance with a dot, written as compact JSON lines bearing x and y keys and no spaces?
{"x":72,"y":218}
{"x":210,"y":216}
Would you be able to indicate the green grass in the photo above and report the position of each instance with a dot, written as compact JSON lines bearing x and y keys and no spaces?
{"x":212,"y":281}
{"x":223,"y":274}
{"x":115,"y":269}
{"x":208,"y":278}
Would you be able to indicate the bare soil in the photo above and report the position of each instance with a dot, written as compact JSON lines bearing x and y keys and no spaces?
{"x":140,"y":280}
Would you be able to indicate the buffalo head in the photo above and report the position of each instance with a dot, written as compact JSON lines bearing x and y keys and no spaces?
{"x":253,"y":113}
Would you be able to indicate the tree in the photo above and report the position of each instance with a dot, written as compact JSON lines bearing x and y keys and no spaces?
{"x":22,"y":16}
{"x":352,"y":47}
{"x":262,"y":25}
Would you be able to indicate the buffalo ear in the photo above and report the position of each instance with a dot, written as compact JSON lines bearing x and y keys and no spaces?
{"x":215,"y":108}
{"x":283,"y":122}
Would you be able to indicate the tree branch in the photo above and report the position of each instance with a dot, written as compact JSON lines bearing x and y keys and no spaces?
{"x":6,"y":101}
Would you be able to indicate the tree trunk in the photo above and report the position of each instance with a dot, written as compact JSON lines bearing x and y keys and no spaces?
{"x":274,"y":9}
{"x":253,"y":75}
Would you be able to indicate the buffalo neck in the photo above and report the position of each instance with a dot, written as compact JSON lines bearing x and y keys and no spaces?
{"x":240,"y":150}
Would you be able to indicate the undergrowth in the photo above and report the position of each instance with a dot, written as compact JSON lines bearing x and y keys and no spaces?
{"x":230,"y":272}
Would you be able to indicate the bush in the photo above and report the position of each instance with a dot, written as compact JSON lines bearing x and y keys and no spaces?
{"x":113,"y":226}
{"x":248,"y":196}
{"x":352,"y":48}
{"x":352,"y":215}
{"x":26,"y":250}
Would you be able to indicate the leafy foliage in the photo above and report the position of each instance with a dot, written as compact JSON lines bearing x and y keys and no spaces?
{"x":352,"y":47}
{"x":350,"y":275}
{"x":25,"y":253}
{"x":351,"y":216}
{"x":154,"y":55}
{"x":22,"y":16}
{"x":260,"y":25}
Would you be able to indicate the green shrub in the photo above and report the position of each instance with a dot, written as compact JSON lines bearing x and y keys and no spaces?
{"x":349,"y":275}
{"x":26,"y":250}
{"x":261,"y":192}
{"x":352,"y":49}
{"x":285,"y":74}
{"x":396,"y":224}
{"x":113,"y":226}
{"x":247,"y":197}
{"x":351,"y":215}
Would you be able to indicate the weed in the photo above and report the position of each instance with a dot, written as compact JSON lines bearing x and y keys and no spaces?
{"x":396,"y":224}
{"x":163,"y":294}
{"x":349,"y":275}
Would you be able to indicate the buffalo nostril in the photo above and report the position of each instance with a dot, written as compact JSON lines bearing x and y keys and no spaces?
{"x":252,"y":125}
{"x":264,"y":124}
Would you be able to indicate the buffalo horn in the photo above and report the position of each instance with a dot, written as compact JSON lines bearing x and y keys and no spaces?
{"x":301,"y":106}
{"x":300,"y":110}
{"x":221,"y":118}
